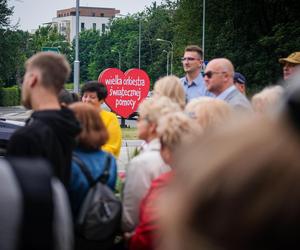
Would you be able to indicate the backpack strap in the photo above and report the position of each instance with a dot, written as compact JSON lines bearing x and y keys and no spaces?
{"x":34,"y":178}
{"x":84,"y":169}
{"x":103,"y":178}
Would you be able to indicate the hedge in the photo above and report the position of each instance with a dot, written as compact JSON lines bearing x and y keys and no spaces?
{"x":10,"y":96}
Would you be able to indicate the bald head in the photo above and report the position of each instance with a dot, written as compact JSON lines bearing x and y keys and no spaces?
{"x":223,"y":64}
{"x":219,"y":74}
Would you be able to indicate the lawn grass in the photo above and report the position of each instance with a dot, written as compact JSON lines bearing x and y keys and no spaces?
{"x":129,"y":134}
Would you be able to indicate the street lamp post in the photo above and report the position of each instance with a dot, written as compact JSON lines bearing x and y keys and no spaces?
{"x":203,"y":28}
{"x":168,"y":54}
{"x":171,"y":52}
{"x":140,"y":31}
{"x":76,"y":62}
{"x":119,"y":57}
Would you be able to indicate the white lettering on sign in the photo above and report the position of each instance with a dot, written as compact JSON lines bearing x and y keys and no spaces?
{"x":123,"y":92}
{"x":125,"y":103}
{"x":126,"y":82}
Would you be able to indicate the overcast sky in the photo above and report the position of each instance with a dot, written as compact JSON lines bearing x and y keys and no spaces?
{"x":32,"y":13}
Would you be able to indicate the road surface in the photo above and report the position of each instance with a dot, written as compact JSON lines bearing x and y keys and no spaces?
{"x":18,"y":113}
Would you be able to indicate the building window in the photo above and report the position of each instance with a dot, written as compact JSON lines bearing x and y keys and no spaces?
{"x":93,"y":14}
{"x":102,"y":14}
{"x":103,"y":27}
{"x":94,"y":26}
{"x":82,"y":26}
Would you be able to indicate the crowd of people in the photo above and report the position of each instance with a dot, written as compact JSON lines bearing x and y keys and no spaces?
{"x":216,"y":170}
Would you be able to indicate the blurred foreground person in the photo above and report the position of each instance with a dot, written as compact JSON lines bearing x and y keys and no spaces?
{"x":170,"y":86}
{"x":95,"y":93}
{"x":35,"y":212}
{"x":175,"y":130}
{"x":241,"y":195}
{"x":91,"y":138}
{"x":209,"y":113}
{"x":50,"y":131}
{"x":147,"y":165}
{"x":89,"y":154}
{"x":268,"y":100}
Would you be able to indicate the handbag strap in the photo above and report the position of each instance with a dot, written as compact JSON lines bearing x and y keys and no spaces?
{"x":103,"y":178}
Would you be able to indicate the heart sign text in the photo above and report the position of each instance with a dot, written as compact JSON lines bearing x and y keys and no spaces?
{"x":125,"y":90}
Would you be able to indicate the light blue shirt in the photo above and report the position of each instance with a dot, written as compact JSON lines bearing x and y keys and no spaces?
{"x":196,"y":89}
{"x":235,"y":99}
{"x":225,"y":93}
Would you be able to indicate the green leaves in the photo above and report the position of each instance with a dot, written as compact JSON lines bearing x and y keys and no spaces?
{"x":252,"y":34}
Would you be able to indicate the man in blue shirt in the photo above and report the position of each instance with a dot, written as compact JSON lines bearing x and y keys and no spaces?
{"x":193,"y":82}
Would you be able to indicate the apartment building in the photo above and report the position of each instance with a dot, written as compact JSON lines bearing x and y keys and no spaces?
{"x":89,"y":18}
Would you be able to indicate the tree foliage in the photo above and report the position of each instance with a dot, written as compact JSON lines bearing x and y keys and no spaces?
{"x":253,"y":34}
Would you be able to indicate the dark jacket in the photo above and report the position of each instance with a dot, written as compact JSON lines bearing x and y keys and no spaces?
{"x":49,"y":134}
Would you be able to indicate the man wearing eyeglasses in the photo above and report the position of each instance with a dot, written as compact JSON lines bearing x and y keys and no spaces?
{"x":218,"y":78}
{"x":193,"y":82}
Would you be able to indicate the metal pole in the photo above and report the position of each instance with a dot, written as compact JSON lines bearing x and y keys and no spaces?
{"x":119,"y":60}
{"x":172,"y":49}
{"x":140,"y":31}
{"x":203,"y":29}
{"x":172,"y":60}
{"x":168,"y":54}
{"x":76,"y":62}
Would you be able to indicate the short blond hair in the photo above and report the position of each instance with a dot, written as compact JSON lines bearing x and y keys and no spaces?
{"x":171,"y":87}
{"x":176,"y":130}
{"x":209,"y":112}
{"x":267,"y":99}
{"x":155,"y":108}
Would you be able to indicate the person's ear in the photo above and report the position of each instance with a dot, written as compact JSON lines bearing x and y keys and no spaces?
{"x":166,"y":155}
{"x":243,"y":88}
{"x":33,"y":79}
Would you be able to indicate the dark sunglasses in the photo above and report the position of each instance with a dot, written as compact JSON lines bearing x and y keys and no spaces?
{"x":209,"y":74}
{"x":189,"y":59}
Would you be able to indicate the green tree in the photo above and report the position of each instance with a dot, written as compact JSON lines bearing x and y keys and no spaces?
{"x":5,"y":13}
{"x":252,"y":34}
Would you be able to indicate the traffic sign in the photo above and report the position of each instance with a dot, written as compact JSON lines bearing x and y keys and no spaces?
{"x":53,"y":49}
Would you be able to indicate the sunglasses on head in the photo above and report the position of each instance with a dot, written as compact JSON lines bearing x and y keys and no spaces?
{"x":189,"y":59}
{"x":209,"y":74}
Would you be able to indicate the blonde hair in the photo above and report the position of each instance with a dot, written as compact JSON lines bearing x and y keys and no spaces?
{"x":176,"y":130}
{"x":267,"y":99}
{"x":209,"y":112}
{"x":242,"y":178}
{"x":155,"y":108}
{"x":93,"y":132}
{"x":171,"y":87}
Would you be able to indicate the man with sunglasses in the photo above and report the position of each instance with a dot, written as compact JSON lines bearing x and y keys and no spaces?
{"x":218,"y":78}
{"x":193,"y":82}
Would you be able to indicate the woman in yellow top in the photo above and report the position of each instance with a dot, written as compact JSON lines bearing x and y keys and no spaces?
{"x":95,"y":93}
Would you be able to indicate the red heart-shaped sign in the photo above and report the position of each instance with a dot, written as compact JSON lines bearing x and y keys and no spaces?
{"x":125,"y":90}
